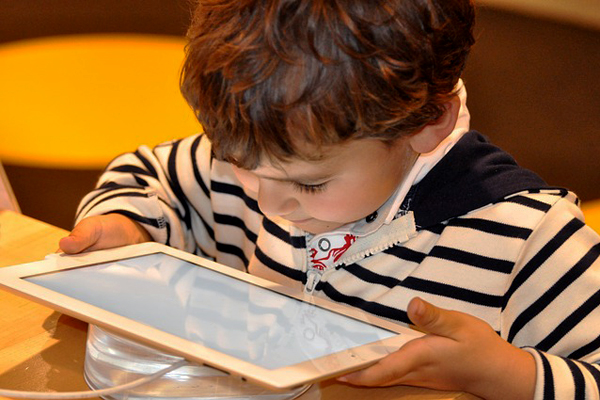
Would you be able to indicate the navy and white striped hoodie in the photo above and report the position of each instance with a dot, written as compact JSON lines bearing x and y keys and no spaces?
{"x":477,"y":234}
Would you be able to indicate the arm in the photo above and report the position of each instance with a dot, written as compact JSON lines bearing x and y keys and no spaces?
{"x":551,"y":312}
{"x":553,"y":305}
{"x":156,"y":194}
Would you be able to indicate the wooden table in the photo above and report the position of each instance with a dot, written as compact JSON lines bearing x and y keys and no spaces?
{"x":43,"y":350}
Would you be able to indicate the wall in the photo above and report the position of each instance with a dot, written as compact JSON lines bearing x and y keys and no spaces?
{"x":533,"y":81}
{"x":583,"y":13}
{"x":534,"y":89}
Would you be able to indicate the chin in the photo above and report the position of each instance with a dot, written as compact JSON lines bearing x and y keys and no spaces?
{"x":316,"y":228}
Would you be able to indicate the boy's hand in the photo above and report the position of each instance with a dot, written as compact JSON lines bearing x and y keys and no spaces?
{"x":103,"y":232}
{"x":459,"y":352}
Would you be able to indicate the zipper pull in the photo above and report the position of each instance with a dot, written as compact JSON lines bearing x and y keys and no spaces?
{"x":312,"y":279}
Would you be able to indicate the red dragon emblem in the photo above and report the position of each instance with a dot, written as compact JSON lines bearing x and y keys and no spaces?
{"x":333,"y":254}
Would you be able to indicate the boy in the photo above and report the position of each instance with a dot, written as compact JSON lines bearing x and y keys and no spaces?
{"x":337,"y":157}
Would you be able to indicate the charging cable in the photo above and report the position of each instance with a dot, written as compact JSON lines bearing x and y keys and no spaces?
{"x":86,"y":394}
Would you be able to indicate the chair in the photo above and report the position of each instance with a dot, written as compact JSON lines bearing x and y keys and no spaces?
{"x":72,"y":103}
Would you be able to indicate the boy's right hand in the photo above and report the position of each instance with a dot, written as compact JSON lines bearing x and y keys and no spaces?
{"x":103,"y":232}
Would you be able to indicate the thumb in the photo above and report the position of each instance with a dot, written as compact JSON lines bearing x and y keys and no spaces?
{"x":82,"y":237}
{"x":431,"y":319}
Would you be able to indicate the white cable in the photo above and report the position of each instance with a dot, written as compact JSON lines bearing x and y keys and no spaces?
{"x":85,"y":394}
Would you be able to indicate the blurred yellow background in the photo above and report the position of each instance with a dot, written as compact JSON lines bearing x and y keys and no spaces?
{"x":78,"y":101}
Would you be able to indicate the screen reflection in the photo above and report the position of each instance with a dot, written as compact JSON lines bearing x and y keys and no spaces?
{"x":207,"y":307}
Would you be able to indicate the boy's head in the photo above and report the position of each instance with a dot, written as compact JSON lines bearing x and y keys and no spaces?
{"x":273,"y":80}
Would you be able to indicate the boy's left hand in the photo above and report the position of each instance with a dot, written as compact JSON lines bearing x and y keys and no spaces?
{"x":459,"y":352}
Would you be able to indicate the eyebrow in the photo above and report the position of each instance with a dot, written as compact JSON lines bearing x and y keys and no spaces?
{"x":298,"y":179}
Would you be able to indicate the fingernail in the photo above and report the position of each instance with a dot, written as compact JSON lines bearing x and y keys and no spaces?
{"x":419,"y":307}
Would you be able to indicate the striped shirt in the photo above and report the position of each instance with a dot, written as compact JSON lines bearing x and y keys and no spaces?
{"x":477,"y":234}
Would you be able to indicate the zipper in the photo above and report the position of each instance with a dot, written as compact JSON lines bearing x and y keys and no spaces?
{"x":313,"y":277}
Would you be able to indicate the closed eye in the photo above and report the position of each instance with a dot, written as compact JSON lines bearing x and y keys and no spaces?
{"x":310,"y":189}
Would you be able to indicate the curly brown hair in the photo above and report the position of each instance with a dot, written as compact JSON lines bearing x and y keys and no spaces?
{"x":266,"y":78}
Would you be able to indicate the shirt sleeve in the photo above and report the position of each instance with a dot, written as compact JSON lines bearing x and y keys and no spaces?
{"x":552,"y":306}
{"x":164,"y":189}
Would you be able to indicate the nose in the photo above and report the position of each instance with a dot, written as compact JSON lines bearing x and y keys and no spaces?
{"x":274,"y":198}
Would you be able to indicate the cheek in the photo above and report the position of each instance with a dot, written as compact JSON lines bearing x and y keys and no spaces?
{"x":353,"y":198}
{"x":343,"y":205}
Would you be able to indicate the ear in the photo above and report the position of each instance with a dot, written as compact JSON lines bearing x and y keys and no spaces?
{"x":428,"y":138}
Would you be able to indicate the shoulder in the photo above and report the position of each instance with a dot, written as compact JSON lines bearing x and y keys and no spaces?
{"x":520,"y":214}
{"x":501,"y":231}
{"x":473,"y":175}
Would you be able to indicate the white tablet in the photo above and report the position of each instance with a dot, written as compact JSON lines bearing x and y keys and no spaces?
{"x":209,"y":313}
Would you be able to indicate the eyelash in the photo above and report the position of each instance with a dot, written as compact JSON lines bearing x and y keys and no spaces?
{"x":310,"y":189}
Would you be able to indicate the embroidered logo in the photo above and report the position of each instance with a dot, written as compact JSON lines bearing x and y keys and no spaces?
{"x":328,"y":250}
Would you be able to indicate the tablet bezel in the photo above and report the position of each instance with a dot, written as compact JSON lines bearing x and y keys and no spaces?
{"x":13,"y":279}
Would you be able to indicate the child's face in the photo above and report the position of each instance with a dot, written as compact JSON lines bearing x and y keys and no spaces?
{"x":348,"y":184}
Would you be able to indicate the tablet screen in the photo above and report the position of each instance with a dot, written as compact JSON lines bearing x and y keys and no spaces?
{"x":218,"y":311}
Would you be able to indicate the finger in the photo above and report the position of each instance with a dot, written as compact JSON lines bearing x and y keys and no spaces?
{"x":388,"y":371}
{"x":71,"y":245}
{"x":81,"y":238}
{"x":435,"y":320}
